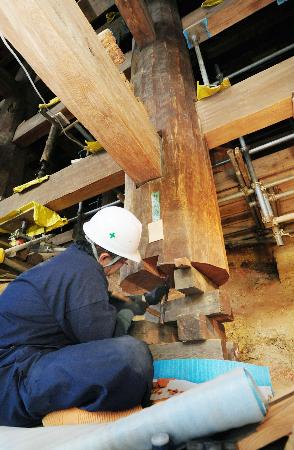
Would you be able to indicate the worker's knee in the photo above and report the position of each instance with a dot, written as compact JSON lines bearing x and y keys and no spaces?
{"x":137,"y":356}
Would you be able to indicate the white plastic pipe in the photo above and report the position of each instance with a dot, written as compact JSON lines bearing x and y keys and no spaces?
{"x":229,"y":401}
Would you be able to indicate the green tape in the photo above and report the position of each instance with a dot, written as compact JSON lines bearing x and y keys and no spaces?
{"x":155,"y":205}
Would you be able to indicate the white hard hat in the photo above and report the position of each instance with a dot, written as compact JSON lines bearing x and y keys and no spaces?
{"x":117,"y":230}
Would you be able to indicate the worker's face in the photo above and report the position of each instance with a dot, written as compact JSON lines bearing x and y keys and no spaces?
{"x":105,"y":259}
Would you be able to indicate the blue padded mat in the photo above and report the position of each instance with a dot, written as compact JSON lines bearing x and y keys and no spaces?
{"x":201,"y":370}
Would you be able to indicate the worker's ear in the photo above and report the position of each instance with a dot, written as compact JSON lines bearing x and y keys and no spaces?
{"x":104,"y":258}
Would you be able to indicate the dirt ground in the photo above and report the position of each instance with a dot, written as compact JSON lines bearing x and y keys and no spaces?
{"x":263,"y":325}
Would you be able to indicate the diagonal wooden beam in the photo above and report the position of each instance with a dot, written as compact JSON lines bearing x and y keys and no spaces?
{"x":73,"y":63}
{"x":137,"y":17}
{"x":214,"y":20}
{"x":89,"y":177}
{"x":255,"y":103}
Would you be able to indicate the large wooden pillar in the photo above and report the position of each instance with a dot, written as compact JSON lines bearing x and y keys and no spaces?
{"x":163,"y":79}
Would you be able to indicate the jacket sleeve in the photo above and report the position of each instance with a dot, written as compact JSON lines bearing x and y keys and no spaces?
{"x":88,"y":314}
{"x":92,"y":322}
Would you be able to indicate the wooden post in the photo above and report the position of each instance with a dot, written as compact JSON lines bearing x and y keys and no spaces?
{"x":59,"y":43}
{"x":138,"y":20}
{"x":184,"y":198}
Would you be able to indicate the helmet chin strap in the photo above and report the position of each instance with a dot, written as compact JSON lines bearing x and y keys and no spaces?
{"x":94,"y":249}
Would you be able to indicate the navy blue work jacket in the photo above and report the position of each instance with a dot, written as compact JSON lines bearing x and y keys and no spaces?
{"x":59,"y":303}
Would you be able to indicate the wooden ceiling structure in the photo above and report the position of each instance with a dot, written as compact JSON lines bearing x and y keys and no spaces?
{"x":255,"y":103}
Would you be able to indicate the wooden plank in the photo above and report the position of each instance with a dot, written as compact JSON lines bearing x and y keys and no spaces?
{"x":190,"y":217}
{"x":210,"y":349}
{"x":195,"y":328}
{"x":89,"y":177}
{"x":153,"y":333}
{"x":190,"y":281}
{"x":136,"y":15}
{"x":213,"y":304}
{"x":94,"y":8}
{"x":255,"y":103}
{"x":100,"y":98}
{"x":222,"y":16}
{"x":278,"y":423}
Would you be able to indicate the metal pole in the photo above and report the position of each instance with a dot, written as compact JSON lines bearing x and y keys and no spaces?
{"x":84,"y":132}
{"x":250,"y":191}
{"x":262,"y":198}
{"x":270,"y":144}
{"x":285,"y":218}
{"x":259,"y":148}
{"x":200,"y":61}
{"x":244,"y":189}
{"x":261,"y":61}
{"x":19,"y":247}
{"x":277,"y":196}
{"x":93,"y":211}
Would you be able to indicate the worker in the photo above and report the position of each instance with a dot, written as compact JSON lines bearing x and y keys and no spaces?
{"x":62,"y":343}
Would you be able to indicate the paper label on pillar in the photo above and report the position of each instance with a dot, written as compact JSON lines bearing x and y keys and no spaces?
{"x":155,"y":206}
{"x":155,"y":231}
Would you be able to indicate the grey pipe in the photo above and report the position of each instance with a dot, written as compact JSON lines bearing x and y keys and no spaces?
{"x":250,"y":191}
{"x":30,"y":243}
{"x":244,"y":188}
{"x":200,"y":61}
{"x":93,"y":211}
{"x":262,"y":197}
{"x":83,"y":132}
{"x":270,"y":144}
{"x":277,"y":196}
{"x":229,"y":401}
{"x":285,"y":218}
{"x":260,"y":61}
{"x":256,"y":185}
{"x":259,"y":148}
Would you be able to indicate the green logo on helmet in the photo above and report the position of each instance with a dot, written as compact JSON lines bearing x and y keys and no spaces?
{"x":112,"y":235}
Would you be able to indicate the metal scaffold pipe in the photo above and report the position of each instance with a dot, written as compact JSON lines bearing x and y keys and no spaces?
{"x":200,"y":60}
{"x":285,"y":218}
{"x":259,"y":148}
{"x":240,"y":194}
{"x":261,"y":195}
{"x":260,"y":61}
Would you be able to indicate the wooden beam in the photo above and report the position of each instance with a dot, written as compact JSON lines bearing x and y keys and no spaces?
{"x":94,"y":8}
{"x":195,"y":327}
{"x":89,"y":177}
{"x":278,"y":423}
{"x":210,"y":349}
{"x":222,"y":16}
{"x":190,"y":281}
{"x":83,"y":76}
{"x":212,"y":304}
{"x":255,"y":103}
{"x":136,"y":15}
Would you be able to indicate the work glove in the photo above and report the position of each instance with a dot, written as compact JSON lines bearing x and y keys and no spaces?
{"x":156,"y":295}
{"x":123,"y":322}
{"x":141,"y":302}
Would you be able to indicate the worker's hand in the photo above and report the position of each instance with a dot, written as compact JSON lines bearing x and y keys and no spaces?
{"x":138,"y":304}
{"x":155,"y":296}
{"x":123,"y":322}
